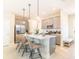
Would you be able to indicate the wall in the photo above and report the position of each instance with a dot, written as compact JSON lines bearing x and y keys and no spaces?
{"x":45,"y":6}
{"x":71,"y":24}
{"x":12,"y":22}
{"x":8,"y":29}
{"x":64,"y":26}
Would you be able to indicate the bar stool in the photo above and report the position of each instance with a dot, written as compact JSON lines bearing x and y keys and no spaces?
{"x":24,"y":44}
{"x":18,"y":40}
{"x":35,"y":50}
{"x":26,"y":48}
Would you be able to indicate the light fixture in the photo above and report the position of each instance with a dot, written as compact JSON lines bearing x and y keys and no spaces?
{"x":29,"y":9}
{"x":38,"y":18}
{"x":37,"y":7}
{"x":23,"y":22}
{"x":23,"y":13}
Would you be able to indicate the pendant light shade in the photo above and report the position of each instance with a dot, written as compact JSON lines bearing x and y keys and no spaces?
{"x":38,"y":18}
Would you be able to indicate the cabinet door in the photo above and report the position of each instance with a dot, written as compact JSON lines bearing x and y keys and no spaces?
{"x":52,"y":45}
{"x":47,"y":22}
{"x":56,"y":22}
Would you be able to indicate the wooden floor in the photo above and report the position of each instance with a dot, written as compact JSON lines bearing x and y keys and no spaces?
{"x":9,"y":52}
{"x":64,"y":53}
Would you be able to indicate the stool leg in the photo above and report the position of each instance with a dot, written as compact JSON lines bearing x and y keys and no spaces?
{"x":20,"y":47}
{"x":17,"y":46}
{"x":39,"y":53}
{"x":30,"y":55}
{"x":25,"y":50}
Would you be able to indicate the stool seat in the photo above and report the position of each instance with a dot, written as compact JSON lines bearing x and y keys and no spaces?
{"x":27,"y":43}
{"x":36,"y":46}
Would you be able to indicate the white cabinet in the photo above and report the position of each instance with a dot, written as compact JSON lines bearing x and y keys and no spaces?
{"x":55,"y":21}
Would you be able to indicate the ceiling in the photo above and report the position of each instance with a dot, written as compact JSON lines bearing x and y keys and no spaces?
{"x":46,"y":7}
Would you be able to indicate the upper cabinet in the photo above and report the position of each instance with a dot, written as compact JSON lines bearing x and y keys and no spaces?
{"x":56,"y":22}
{"x":20,"y":20}
{"x":51,"y":23}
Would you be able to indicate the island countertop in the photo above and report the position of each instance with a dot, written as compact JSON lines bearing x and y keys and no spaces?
{"x":48,"y":43}
{"x":41,"y":37}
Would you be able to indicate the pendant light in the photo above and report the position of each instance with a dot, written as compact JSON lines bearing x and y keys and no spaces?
{"x":37,"y":7}
{"x":29,"y":9}
{"x":38,"y":18}
{"x":23,"y":15}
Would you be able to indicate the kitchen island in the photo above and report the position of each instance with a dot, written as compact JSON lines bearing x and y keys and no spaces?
{"x":48,"y":44}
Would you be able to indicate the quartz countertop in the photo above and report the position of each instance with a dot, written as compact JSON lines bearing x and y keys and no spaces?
{"x":41,"y":36}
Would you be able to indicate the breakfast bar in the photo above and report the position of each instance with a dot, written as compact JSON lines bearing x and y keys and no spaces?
{"x":48,"y":44}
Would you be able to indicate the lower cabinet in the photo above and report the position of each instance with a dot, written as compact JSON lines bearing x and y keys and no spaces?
{"x":58,"y":38}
